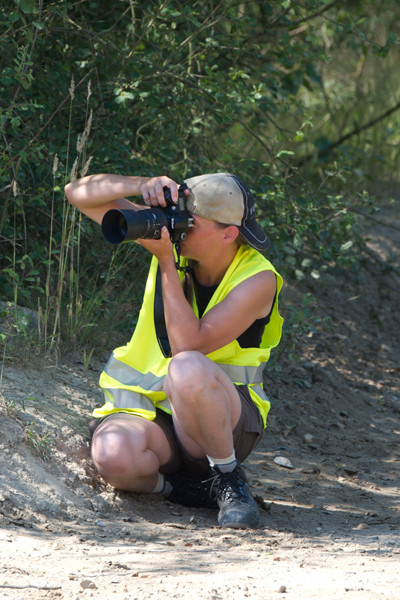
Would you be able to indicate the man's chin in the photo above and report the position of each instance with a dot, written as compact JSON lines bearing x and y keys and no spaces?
{"x":185,"y":252}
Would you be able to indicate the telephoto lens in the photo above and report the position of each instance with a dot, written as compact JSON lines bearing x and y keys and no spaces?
{"x":127,"y":225}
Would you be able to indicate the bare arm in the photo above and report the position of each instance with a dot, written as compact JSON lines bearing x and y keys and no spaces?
{"x":250,"y":300}
{"x":94,"y":195}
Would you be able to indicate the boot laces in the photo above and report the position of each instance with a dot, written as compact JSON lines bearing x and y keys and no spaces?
{"x":229,"y":486}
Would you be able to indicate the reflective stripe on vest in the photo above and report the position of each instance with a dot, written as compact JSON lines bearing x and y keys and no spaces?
{"x":127,"y":399}
{"x":129,"y":376}
{"x":123,"y":399}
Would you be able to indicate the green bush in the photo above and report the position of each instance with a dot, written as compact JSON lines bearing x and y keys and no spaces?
{"x":298,"y":98}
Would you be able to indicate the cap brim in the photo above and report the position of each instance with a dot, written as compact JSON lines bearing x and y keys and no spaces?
{"x":255,"y":236}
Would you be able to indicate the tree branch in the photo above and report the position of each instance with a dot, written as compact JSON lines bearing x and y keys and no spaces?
{"x":308,"y":18}
{"x":375,"y":220}
{"x":355,"y":131}
{"x":257,"y":137}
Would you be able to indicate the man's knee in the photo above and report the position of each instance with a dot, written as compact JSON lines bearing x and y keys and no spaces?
{"x":187,"y":370}
{"x":115,"y":453}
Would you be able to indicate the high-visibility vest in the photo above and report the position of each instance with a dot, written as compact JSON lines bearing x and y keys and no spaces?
{"x":133,"y":378}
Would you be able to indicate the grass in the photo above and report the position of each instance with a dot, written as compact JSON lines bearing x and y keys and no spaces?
{"x":84,"y":294}
{"x":38,"y":442}
{"x":9,"y":405}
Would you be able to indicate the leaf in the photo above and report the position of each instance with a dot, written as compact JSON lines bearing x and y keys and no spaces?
{"x":27,"y":6}
{"x":346,"y":246}
{"x":285,"y":153}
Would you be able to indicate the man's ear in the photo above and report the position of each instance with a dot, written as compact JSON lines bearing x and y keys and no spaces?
{"x":230,"y":233}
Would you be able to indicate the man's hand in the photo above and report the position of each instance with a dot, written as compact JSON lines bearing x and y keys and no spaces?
{"x":153,"y":192}
{"x":162,"y":249}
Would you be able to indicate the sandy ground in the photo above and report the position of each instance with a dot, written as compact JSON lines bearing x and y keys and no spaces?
{"x":330,"y":521}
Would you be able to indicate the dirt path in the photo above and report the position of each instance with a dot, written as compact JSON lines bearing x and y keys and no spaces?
{"x":330,"y":524}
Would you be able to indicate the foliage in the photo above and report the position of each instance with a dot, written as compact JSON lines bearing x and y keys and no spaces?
{"x":38,"y":442}
{"x":299,"y":98}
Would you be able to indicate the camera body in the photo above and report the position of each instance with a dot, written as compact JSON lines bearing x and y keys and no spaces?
{"x":128,"y":225}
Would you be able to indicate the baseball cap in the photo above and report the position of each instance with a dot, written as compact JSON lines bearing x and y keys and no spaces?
{"x":225,"y":198}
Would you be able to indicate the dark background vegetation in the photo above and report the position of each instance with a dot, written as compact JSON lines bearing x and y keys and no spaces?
{"x":299,"y":98}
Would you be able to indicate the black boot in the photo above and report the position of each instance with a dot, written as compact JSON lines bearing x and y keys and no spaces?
{"x":189,"y":490}
{"x":237,"y":507}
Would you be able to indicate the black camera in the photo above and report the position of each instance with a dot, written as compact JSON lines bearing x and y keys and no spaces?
{"x":127,"y":225}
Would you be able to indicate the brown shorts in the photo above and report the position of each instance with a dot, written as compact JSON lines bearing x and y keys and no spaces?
{"x":246,"y":436}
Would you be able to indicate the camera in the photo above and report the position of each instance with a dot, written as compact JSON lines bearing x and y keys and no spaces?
{"x":127,"y":225}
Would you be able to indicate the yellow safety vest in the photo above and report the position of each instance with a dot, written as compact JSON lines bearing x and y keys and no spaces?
{"x":134,"y":375}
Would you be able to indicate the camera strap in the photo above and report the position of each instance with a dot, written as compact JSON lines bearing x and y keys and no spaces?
{"x":188,"y":275}
{"x":186,"y":269}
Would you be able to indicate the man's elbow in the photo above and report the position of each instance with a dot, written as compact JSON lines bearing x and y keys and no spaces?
{"x":68,"y":193}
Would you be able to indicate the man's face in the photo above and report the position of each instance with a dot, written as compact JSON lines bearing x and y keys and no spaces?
{"x":203,"y":239}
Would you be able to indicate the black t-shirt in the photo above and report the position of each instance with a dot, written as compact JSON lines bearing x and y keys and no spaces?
{"x":251,"y":338}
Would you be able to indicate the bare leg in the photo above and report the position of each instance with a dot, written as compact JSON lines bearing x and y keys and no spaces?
{"x":206,"y":408}
{"x":128,"y":451}
{"x":205,"y":403}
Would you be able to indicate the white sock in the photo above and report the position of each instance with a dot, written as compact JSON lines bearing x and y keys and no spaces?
{"x":225,"y":465}
{"x":162,"y":486}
